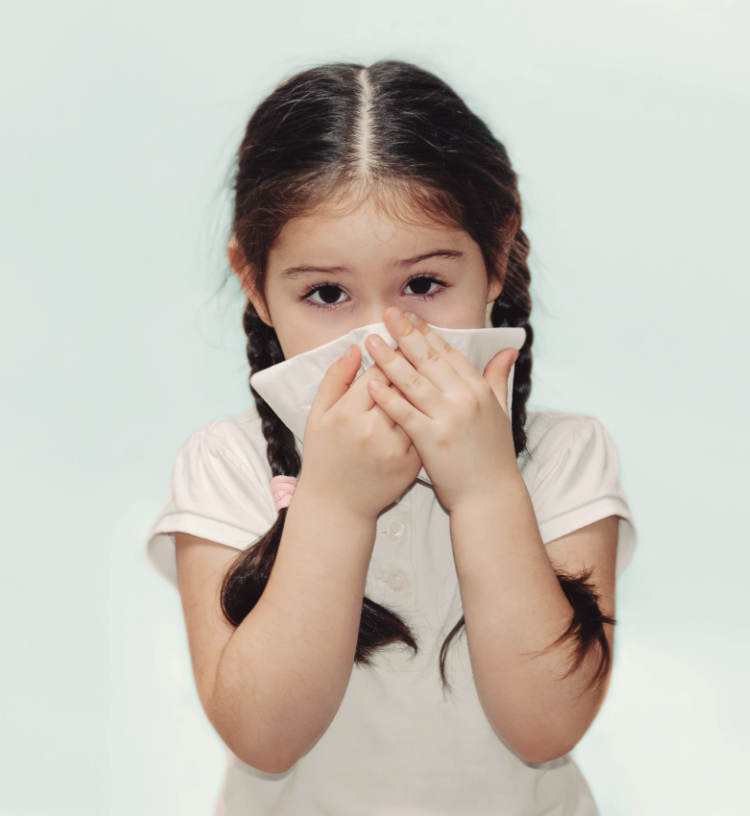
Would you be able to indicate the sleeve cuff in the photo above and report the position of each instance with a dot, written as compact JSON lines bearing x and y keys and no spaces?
{"x":160,"y":548}
{"x":601,"y":508}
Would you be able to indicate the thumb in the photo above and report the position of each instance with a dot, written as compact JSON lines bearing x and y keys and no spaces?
{"x":497,"y":372}
{"x":337,"y":379}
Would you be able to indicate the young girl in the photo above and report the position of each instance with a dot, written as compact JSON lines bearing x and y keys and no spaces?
{"x":381,"y":497}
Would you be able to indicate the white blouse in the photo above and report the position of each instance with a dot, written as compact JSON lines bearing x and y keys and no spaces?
{"x":398,"y":743}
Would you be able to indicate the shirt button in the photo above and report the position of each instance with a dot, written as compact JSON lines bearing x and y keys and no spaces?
{"x":396,"y":581}
{"x":396,"y":529}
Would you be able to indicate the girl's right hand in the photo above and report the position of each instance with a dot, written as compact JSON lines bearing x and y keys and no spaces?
{"x":352,"y":448}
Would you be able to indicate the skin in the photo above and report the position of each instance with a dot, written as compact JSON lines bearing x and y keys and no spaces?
{"x":369,"y":244}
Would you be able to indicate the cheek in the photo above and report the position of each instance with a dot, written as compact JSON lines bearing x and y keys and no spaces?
{"x":299,"y":340}
{"x":456,"y":315}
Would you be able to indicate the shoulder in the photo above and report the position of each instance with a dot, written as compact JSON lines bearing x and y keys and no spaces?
{"x":552,"y":434}
{"x":236,"y":439}
{"x":219,"y":490}
{"x":572,"y":471}
{"x":569,"y":459}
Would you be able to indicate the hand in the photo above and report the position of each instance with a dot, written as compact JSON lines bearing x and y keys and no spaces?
{"x":456,"y":418}
{"x":352,"y":449}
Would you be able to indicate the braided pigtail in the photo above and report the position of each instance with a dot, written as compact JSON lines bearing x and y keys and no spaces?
{"x":248,"y":574}
{"x":586,"y":628}
{"x":511,"y":308}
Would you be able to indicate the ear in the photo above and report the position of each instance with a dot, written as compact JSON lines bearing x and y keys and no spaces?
{"x":497,"y":275}
{"x":246,"y":274}
{"x":495,"y":287}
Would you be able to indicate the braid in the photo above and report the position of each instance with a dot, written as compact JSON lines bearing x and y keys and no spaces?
{"x":513,"y":308}
{"x":248,"y":574}
{"x":263,"y":351}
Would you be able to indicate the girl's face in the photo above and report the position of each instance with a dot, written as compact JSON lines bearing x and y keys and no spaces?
{"x":329,"y":273}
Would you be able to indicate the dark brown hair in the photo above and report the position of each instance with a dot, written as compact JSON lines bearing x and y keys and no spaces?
{"x":398,"y":134}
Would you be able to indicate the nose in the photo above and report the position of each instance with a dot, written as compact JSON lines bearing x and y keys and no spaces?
{"x":374,"y":313}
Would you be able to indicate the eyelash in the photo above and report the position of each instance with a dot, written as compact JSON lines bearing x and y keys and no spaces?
{"x":318,"y":286}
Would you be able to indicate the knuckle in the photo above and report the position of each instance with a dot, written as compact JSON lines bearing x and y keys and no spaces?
{"x":366,"y":432}
{"x":413,"y":379}
{"x":372,"y":373}
{"x":433,"y":355}
{"x":443,"y":436}
{"x":469,"y":406}
{"x":474,"y":405}
{"x":391,"y":454}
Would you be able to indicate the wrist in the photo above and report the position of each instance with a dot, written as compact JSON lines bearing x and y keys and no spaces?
{"x":508,"y":487}
{"x":330,"y":503}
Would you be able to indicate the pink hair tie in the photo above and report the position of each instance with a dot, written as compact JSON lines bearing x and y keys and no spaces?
{"x":282,"y":490}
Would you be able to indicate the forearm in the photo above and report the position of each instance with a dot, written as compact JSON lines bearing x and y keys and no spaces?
{"x":285,"y":669}
{"x":514,"y":605}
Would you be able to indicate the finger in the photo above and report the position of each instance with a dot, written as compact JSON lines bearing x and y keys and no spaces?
{"x":451,"y":355}
{"x":337,"y":379}
{"x":407,"y":448}
{"x":358,"y":397}
{"x":497,"y":374}
{"x":391,"y":424}
{"x":429,"y":359}
{"x":399,"y":409}
{"x":411,"y":382}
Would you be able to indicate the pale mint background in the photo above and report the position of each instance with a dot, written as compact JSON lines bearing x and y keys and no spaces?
{"x":629,"y":125}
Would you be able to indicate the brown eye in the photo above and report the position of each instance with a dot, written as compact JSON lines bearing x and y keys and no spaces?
{"x":328,"y":293}
{"x":422,"y":285}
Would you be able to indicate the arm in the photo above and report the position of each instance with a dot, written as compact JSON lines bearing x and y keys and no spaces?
{"x":513,"y":604}
{"x":459,"y":423}
{"x":282,"y":673}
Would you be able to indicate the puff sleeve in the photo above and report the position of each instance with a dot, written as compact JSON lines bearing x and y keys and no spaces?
{"x":216,"y":492}
{"x":579,"y":483}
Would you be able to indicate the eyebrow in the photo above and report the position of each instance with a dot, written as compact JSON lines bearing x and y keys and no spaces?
{"x":294,"y":271}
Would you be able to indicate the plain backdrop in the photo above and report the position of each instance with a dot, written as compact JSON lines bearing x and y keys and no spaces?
{"x":628,"y":124}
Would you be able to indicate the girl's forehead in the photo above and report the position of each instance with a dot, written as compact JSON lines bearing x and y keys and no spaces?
{"x":327,"y":222}
{"x":395,"y":203}
{"x":327,"y":239}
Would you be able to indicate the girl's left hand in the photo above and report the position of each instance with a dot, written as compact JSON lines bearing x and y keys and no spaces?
{"x":456,"y":418}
